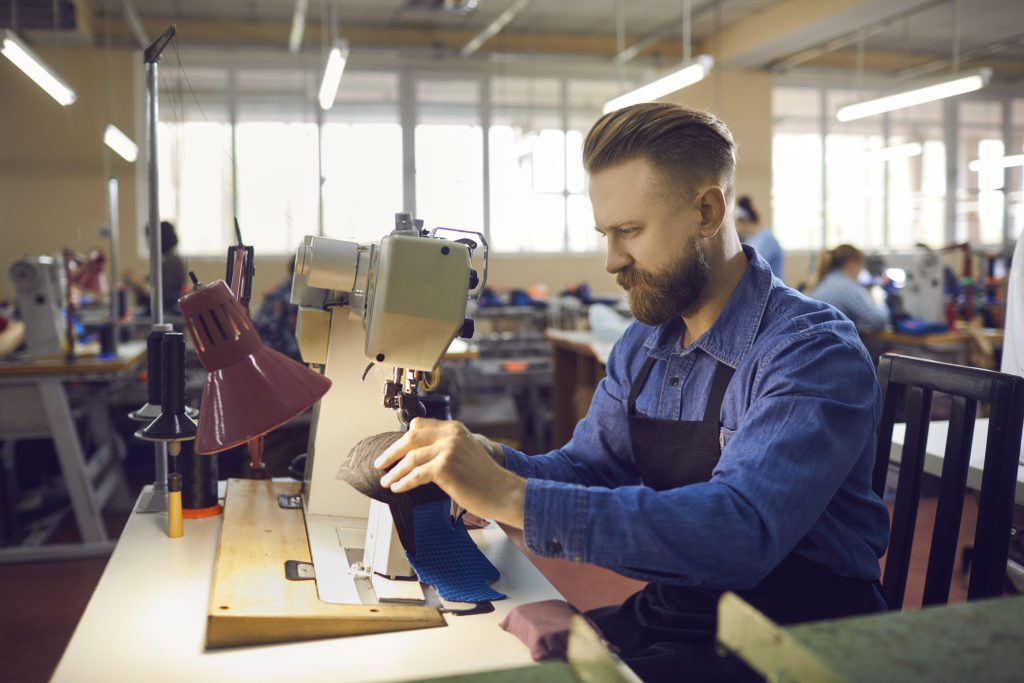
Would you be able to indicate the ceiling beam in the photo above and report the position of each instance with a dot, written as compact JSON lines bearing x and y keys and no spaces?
{"x":902,"y":66}
{"x":794,"y":25}
{"x":446,"y":42}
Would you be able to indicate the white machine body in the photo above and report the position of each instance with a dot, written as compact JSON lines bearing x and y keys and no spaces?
{"x":921,"y":290}
{"x":39,"y":285}
{"x":371,"y":315}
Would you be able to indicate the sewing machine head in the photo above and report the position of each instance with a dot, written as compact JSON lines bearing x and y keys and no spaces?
{"x":409,"y":290}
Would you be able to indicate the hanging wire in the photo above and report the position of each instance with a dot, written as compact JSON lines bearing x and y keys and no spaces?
{"x":717,"y":29}
{"x":110,"y":84}
{"x":620,"y":40}
{"x":860,"y":67}
{"x":956,"y":36}
{"x":686,"y":31}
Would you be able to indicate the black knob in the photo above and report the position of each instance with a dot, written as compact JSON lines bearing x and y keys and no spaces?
{"x":474,"y":279}
{"x":468,"y":328}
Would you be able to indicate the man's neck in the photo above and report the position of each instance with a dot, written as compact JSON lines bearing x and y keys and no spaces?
{"x":725,"y":278}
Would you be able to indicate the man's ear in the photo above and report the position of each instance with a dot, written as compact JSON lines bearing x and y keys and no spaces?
{"x":711,"y":202}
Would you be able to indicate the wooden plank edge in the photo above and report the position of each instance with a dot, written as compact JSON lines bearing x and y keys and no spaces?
{"x":765,"y":646}
{"x":235,"y":630}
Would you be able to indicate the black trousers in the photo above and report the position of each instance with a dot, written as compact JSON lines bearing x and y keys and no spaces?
{"x":667,"y":633}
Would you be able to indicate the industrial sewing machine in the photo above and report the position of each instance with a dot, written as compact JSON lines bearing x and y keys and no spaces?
{"x":40,"y":286}
{"x":373,"y":316}
{"x":918,"y":276}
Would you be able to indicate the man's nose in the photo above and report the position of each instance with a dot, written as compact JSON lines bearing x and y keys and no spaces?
{"x":617,"y":259}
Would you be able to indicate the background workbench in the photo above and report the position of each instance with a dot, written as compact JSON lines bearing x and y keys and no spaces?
{"x":580,"y":360}
{"x":35,"y":403}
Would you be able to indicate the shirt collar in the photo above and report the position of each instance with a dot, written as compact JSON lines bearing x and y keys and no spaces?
{"x":733,"y":333}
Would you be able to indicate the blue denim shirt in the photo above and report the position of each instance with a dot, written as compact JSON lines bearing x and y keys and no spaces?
{"x":798,"y":427}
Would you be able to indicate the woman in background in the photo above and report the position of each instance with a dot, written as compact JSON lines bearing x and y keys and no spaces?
{"x":838,"y":285}
{"x":760,"y":237}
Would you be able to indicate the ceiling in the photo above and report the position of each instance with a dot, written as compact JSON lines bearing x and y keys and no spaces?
{"x":890,"y":37}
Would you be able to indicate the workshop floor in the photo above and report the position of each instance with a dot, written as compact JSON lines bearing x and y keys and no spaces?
{"x":42,"y":602}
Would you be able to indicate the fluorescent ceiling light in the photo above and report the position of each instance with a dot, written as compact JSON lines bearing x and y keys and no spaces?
{"x":910,"y":149}
{"x":332,"y":73}
{"x":997,"y":162}
{"x":677,"y":80}
{"x":951,"y":86}
{"x":120,"y":143}
{"x":298,"y":26}
{"x":25,"y":59}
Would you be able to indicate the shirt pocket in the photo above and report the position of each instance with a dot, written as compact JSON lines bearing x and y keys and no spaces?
{"x":725,"y":436}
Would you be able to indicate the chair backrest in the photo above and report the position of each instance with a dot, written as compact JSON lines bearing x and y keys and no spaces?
{"x":919,"y":379}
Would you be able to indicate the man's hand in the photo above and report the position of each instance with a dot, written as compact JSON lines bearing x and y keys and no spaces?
{"x":449,"y":455}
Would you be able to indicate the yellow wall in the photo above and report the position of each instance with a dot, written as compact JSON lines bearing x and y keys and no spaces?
{"x":52,"y":159}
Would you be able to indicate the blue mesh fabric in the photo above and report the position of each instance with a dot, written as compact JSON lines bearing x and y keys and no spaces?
{"x":448,"y":559}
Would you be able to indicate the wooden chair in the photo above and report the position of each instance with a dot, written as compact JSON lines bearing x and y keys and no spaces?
{"x":967,"y":386}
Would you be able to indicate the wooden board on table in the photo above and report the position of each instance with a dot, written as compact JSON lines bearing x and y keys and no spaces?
{"x":251,"y":601}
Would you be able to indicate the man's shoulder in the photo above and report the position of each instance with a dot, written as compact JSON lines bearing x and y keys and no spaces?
{"x":792,"y":320}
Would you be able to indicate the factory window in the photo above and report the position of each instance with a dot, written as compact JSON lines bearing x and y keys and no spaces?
{"x":276,"y":183}
{"x":885,"y":176}
{"x":538,"y":196}
{"x":796,"y":168}
{"x":195,"y":183}
{"x":362,"y":157}
{"x":250,"y":140}
{"x":449,"y":154}
{"x":362,"y":178}
{"x":980,"y":197}
{"x":527,"y":165}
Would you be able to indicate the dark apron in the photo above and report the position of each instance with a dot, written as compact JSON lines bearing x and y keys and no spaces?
{"x":667,"y":632}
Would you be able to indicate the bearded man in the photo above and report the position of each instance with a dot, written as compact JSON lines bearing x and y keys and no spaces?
{"x":731,"y":445}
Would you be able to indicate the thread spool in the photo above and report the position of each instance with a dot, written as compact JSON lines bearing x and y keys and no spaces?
{"x":175,"y":527}
{"x":199,"y":486}
{"x":150,"y":411}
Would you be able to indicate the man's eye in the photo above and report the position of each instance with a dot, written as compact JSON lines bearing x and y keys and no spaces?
{"x":626,"y":232}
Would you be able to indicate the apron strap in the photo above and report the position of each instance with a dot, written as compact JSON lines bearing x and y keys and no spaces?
{"x":719,"y":383}
{"x":638,"y":383}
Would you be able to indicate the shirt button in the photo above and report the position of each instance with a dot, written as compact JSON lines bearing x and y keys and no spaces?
{"x":554,"y":547}
{"x":674,"y":381}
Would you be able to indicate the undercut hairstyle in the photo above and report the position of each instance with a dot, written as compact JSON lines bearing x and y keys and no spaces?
{"x":688,"y":147}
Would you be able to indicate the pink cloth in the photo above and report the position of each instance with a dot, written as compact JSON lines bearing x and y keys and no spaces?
{"x":543,"y":627}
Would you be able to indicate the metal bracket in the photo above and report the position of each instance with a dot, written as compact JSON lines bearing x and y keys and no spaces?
{"x":290,"y":501}
{"x":294,"y":570}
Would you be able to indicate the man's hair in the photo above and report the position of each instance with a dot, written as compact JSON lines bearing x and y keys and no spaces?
{"x":686,"y":146}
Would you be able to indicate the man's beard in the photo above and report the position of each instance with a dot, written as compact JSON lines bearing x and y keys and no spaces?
{"x":656,"y":298}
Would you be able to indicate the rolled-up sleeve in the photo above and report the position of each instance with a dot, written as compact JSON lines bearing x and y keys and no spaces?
{"x":796,"y":444}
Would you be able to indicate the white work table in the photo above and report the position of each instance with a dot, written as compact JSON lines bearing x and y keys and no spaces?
{"x":936,"y":449}
{"x":146,"y":622}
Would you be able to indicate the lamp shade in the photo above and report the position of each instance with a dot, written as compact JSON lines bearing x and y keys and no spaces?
{"x":249,"y":389}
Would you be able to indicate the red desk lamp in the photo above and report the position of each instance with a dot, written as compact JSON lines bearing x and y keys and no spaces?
{"x":249,"y":389}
